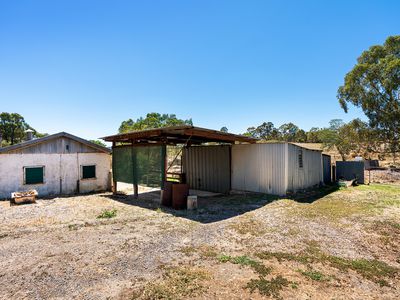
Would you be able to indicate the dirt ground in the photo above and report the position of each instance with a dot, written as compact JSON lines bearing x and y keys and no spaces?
{"x":328,"y":244}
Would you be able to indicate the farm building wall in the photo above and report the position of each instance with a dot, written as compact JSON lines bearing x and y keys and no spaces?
{"x":307,"y":173}
{"x":208,"y":168}
{"x":349,"y":170}
{"x":61,"y":173}
{"x":59,"y":145}
{"x":260,"y":168}
{"x":327,"y":168}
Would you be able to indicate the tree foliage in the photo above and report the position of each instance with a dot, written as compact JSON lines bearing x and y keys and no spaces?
{"x":98,"y":142}
{"x":153,"y":120}
{"x":355,"y":137}
{"x":13,"y":127}
{"x":374,"y":85}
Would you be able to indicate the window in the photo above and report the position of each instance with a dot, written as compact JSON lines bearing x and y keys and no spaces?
{"x":89,"y":172}
{"x":300,"y":158}
{"x":33,"y":175}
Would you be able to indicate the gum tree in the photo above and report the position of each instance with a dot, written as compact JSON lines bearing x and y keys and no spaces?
{"x":374,"y":86}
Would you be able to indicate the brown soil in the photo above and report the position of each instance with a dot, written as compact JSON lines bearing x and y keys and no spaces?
{"x":59,"y":249}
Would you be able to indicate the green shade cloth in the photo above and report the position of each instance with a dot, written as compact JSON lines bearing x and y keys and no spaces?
{"x":142,"y":165}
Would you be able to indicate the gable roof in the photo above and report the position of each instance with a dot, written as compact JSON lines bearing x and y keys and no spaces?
{"x":47,"y":138}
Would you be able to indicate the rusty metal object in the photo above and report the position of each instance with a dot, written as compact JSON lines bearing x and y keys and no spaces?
{"x":166,"y":199}
{"x":180,"y":192}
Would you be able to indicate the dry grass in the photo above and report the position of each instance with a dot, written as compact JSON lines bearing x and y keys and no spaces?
{"x":177,"y":283}
{"x":248,"y":225}
{"x":267,"y":249}
{"x":374,"y":270}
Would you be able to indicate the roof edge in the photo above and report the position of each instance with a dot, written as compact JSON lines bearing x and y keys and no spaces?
{"x":34,"y":142}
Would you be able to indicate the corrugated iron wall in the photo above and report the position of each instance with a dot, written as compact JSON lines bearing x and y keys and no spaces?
{"x":327,"y":168}
{"x":349,"y":170}
{"x":208,"y":168}
{"x":308,"y":175}
{"x":260,"y":168}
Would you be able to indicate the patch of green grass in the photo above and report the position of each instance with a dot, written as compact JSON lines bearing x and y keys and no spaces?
{"x":107,"y":214}
{"x":314,"y":275}
{"x":244,"y":260}
{"x":373,"y":270}
{"x":177,"y":283}
{"x":224,"y":258}
{"x":268,"y":287}
{"x":333,"y":205}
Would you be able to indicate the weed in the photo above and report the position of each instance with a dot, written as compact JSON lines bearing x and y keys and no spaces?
{"x":373,"y":270}
{"x":224,"y":258}
{"x":314,"y":275}
{"x":159,"y":210}
{"x":177,"y":283}
{"x":107,"y":214}
{"x":244,"y":260}
{"x":268,"y":287}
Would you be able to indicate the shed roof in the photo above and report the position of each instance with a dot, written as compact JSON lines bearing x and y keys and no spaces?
{"x":47,"y":138}
{"x":178,"y":135}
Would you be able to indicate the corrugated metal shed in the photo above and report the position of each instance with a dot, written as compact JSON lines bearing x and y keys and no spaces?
{"x":350,"y":170}
{"x":306,"y":174}
{"x":327,"y":168}
{"x":260,"y":168}
{"x":207,"y":168}
{"x":275,"y":168}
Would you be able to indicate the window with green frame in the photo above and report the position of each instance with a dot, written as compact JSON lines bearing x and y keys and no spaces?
{"x":34,"y":175}
{"x":89,"y":172}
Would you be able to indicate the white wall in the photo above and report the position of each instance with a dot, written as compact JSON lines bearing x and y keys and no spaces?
{"x":260,"y":168}
{"x":66,"y":167}
{"x":310,"y":174}
{"x":273,"y":168}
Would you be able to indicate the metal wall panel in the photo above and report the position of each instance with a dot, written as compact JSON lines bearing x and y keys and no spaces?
{"x":327,"y":168}
{"x":350,"y":170}
{"x":308,"y":175}
{"x":260,"y":168}
{"x":208,"y":168}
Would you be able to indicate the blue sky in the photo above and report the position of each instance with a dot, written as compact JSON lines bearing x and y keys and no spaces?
{"x":85,"y":66}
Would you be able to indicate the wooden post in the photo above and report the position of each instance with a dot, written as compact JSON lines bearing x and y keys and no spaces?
{"x":114,"y":182}
{"x":165,"y":164}
{"x":135,"y":191}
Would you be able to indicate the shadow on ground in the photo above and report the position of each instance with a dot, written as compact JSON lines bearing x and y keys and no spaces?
{"x":222,"y":207}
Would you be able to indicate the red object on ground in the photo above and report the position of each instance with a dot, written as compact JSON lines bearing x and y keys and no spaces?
{"x":180,"y":192}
